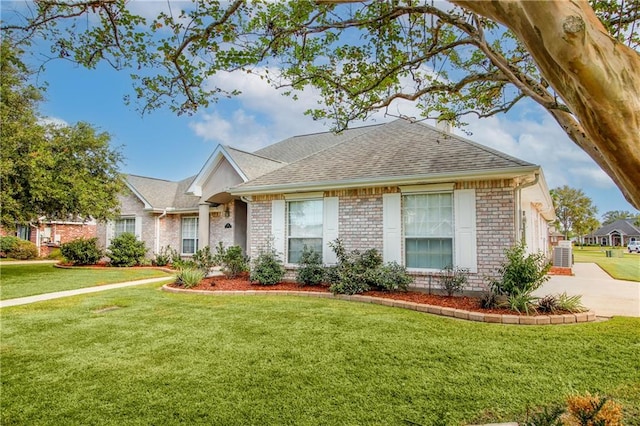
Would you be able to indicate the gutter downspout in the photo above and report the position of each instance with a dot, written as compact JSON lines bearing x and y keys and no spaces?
{"x":519,"y":230}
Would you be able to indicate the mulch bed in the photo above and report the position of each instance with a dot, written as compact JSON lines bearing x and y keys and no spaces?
{"x":242,"y":283}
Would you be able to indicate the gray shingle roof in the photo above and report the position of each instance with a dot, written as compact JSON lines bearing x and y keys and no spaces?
{"x":298,"y":147}
{"x":392,"y":150}
{"x":625,"y":226}
{"x":160,"y":193}
{"x":253,"y":165}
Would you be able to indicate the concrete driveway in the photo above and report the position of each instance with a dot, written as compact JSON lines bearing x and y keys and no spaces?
{"x":602,"y":294}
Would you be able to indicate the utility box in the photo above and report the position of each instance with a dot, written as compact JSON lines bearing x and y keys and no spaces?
{"x":562,"y":256}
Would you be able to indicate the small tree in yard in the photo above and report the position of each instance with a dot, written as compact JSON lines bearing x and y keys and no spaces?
{"x":126,"y":250}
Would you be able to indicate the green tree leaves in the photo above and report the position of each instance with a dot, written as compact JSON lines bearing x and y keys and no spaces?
{"x":48,"y":170}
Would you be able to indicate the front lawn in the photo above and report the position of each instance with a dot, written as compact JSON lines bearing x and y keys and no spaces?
{"x":626,"y":267}
{"x":30,"y":279}
{"x":138,"y":356}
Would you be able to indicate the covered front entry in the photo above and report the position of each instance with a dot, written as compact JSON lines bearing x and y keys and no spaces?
{"x":225,"y":223}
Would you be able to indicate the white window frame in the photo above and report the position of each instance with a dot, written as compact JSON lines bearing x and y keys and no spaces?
{"x":444,"y":235}
{"x":194,"y":238}
{"x":288,"y":224}
{"x":125,"y":220}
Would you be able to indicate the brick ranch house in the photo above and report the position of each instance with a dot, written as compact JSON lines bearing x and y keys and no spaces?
{"x":420,"y":196}
{"x":51,"y":234}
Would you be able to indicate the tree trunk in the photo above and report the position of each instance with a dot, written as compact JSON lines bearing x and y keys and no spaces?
{"x":595,"y":75}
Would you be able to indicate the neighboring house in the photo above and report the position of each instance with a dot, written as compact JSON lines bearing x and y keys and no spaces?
{"x":422,"y":197}
{"x":619,"y":233}
{"x":51,"y":234}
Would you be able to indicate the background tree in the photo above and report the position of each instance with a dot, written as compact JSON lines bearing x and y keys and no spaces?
{"x":576,"y":59}
{"x":60,"y":172}
{"x":613,"y":215}
{"x":576,"y":214}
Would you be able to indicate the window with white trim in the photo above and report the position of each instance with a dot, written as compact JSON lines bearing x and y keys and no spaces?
{"x":189,"y":235}
{"x":124,"y":224}
{"x":428,"y":230}
{"x":304,"y":227}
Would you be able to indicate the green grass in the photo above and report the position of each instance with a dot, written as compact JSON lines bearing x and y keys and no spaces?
{"x":139,"y":356}
{"x":28,"y":280}
{"x":626,"y":267}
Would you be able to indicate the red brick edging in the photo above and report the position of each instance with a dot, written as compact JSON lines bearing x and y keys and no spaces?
{"x":431,"y":309}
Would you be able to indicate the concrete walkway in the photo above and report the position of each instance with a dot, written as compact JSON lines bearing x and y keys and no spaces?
{"x":600,"y":293}
{"x":66,"y":293}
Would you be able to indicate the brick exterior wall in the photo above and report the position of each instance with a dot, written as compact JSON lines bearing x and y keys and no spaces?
{"x":361,"y":225}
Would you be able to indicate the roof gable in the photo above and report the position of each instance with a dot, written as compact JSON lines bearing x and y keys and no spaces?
{"x":159,"y":194}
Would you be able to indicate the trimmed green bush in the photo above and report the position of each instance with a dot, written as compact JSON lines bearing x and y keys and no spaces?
{"x":310,"y":271}
{"x":267,"y":268}
{"x":126,"y":250}
{"x":7,"y":244}
{"x":390,"y":277}
{"x":55,"y":254}
{"x":24,"y":250}
{"x":82,"y":251}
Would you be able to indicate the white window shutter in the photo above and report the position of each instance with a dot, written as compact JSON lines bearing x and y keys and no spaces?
{"x":278,"y":219}
{"x":392,"y":227}
{"x":329,"y":229}
{"x":465,"y":242}
{"x":110,"y":228}
{"x":138,"y":227}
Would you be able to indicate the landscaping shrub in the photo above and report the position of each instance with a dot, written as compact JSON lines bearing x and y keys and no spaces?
{"x":310,"y":271}
{"x":390,"y":277}
{"x":453,"y":279}
{"x":548,"y":304}
{"x":165,"y":256}
{"x":7,"y":244}
{"x":570,"y":303}
{"x":267,"y":268}
{"x":55,"y":254}
{"x":126,"y":250}
{"x":24,"y":250}
{"x":82,"y":251}
{"x":204,"y":259}
{"x":489,"y":300}
{"x":522,"y":302}
{"x":358,"y":272}
{"x":189,"y":277}
{"x":592,"y":410}
{"x":521,"y":273}
{"x":232,"y":260}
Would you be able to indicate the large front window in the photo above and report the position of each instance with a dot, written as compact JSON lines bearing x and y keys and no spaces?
{"x":428,"y":230}
{"x":124,"y":224}
{"x":304,"y":228}
{"x":189,"y":235}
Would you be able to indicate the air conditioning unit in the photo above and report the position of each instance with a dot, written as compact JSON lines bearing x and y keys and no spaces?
{"x":562,"y":257}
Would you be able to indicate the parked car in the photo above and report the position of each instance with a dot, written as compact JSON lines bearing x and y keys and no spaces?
{"x":634,"y":246}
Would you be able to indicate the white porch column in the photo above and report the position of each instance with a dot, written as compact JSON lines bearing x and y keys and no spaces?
{"x":203,"y":225}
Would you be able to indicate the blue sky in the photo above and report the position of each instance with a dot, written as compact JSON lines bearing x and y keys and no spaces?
{"x":164,"y":145}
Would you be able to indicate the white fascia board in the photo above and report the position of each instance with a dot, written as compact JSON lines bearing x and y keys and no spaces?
{"x":398,"y":181}
{"x":147,"y":204}
{"x":209,"y":166}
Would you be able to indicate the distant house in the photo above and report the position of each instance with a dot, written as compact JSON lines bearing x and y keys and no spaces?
{"x":422,"y":197}
{"x":619,"y":233}
{"x":51,"y":234}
